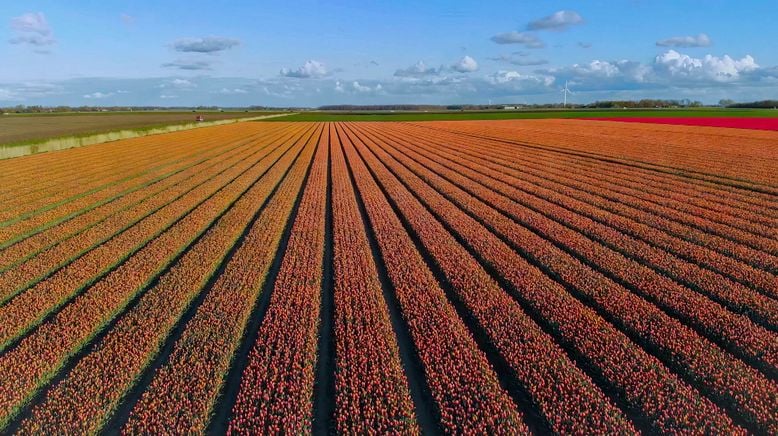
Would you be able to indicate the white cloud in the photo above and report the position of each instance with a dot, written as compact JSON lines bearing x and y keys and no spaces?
{"x":361,"y":88}
{"x":558,"y":21}
{"x":701,"y":40}
{"x":311,"y":69}
{"x":167,"y":96}
{"x":528,"y":40}
{"x":718,"y":69}
{"x":183,"y":84}
{"x":209,"y":44}
{"x":189,"y":64}
{"x":339,"y":86}
{"x":365,"y":88}
{"x":232,"y":91}
{"x":31,"y":29}
{"x":419,"y":69}
{"x":98,"y":95}
{"x":503,"y":76}
{"x":520,"y":60}
{"x":466,"y":65}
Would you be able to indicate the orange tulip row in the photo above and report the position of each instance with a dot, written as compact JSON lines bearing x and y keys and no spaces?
{"x":371,"y":391}
{"x":92,"y":168}
{"x":37,"y":358}
{"x":62,"y":166}
{"x":578,"y":210}
{"x":738,"y":155}
{"x":561,"y":139}
{"x":276,"y":387}
{"x":677,"y":192}
{"x":567,"y":398}
{"x":91,"y":391}
{"x":26,"y":310}
{"x":466,"y":392}
{"x":58,"y":199}
{"x":678,"y":207}
{"x":182,"y":393}
{"x":561,"y":225}
{"x":651,"y":247}
{"x":13,"y":255}
{"x":723,"y":244}
{"x":583,"y":180}
{"x":729,"y":380}
{"x":42,"y":264}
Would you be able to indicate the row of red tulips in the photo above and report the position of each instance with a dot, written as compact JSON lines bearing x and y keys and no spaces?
{"x":26,"y":310}
{"x":371,"y":391}
{"x":60,"y":253}
{"x":678,"y":189}
{"x":39,"y":356}
{"x":621,"y":206}
{"x":82,"y":167}
{"x":276,"y":387}
{"x":182,"y":393}
{"x":613,"y":230}
{"x":92,"y":390}
{"x":675,"y":151}
{"x":14,"y":255}
{"x":717,"y":371}
{"x":568,"y":399}
{"x":465,"y":390}
{"x":78,"y":193}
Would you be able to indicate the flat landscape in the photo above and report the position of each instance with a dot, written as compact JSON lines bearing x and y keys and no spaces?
{"x":26,"y":128}
{"x":494,"y":277}
{"x":736,"y":115}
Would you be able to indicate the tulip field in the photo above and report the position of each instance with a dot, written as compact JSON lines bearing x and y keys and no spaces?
{"x":542,"y":276}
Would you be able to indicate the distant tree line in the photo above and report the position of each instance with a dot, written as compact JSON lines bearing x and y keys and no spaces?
{"x":764,"y":104}
{"x":22,"y":109}
{"x":607,"y":104}
{"x":645,"y":103}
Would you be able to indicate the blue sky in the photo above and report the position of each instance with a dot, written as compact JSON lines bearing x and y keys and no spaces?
{"x":310,"y":53}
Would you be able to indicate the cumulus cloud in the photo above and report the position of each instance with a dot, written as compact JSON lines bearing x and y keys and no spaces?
{"x":189,"y":64}
{"x":503,"y":76}
{"x":599,"y":73}
{"x":558,"y":21}
{"x":361,"y":88}
{"x":209,"y":44}
{"x":311,"y":69}
{"x":182,"y":84}
{"x":31,"y":29}
{"x":419,"y":69}
{"x":465,"y":65}
{"x":718,"y":69}
{"x":701,"y":40}
{"x":668,"y":70}
{"x":528,"y":40}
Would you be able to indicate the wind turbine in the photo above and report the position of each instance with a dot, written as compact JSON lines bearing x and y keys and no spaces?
{"x":565,"y":91}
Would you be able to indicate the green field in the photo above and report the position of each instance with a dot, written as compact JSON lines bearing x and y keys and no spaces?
{"x":525,"y":114}
{"x":22,"y":129}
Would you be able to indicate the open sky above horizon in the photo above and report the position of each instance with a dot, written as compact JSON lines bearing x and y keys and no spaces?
{"x":311,"y":53}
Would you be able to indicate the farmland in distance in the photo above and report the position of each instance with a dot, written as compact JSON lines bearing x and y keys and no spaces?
{"x":508,"y":277}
